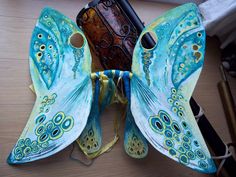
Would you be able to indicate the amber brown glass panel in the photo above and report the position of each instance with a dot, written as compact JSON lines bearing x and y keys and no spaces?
{"x":110,"y":33}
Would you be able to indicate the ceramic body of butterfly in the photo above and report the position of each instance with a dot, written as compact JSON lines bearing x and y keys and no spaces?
{"x":158,"y":92}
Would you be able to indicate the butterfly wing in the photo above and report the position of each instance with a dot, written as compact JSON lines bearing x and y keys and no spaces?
{"x":163,"y":81}
{"x":90,"y":140}
{"x":134,"y":142}
{"x":61,"y":78}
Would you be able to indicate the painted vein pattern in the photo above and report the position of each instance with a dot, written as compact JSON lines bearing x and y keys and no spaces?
{"x":61,"y":79}
{"x":163,"y":81}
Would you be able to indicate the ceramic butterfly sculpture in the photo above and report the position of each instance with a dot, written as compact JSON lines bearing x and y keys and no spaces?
{"x":61,"y":80}
{"x":158,"y":90}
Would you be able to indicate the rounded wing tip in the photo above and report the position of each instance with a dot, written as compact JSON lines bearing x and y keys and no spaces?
{"x":10,"y":160}
{"x":141,"y":156}
{"x":210,"y":169}
{"x":136,"y":149}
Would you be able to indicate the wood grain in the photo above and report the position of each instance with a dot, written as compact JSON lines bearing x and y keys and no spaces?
{"x":17,"y":19}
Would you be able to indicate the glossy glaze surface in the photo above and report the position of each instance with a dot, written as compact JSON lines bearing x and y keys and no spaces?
{"x":163,"y":80}
{"x":61,"y":80}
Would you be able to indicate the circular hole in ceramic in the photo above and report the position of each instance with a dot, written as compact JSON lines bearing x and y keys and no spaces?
{"x":149,"y":40}
{"x":77,"y":40}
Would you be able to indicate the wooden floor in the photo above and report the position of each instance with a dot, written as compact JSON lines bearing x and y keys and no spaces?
{"x":17,"y":19}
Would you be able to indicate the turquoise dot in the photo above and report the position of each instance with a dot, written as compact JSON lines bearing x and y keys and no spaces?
{"x":186,"y":146}
{"x":189,"y":23}
{"x":27,"y":151}
{"x":203,"y":164}
{"x":35,"y":149}
{"x":40,"y":130}
{"x":181,"y":108}
{"x":181,"y":149}
{"x":176,"y":103}
{"x":174,"y":109}
{"x":196,"y":143}
{"x":91,"y":134}
{"x":200,"y":154}
{"x":199,"y":34}
{"x":165,"y":117}
{"x":40,"y":119}
{"x":19,"y":156}
{"x":173,"y":96}
{"x":49,"y":126}
{"x":175,"y":127}
{"x":180,"y":113}
{"x":180,"y":97}
{"x":27,"y":142}
{"x":176,"y":137}
{"x":56,"y":133}
{"x":189,"y":134}
{"x":173,"y":90}
{"x":171,"y":101}
{"x":43,"y":138}
{"x":34,"y":143}
{"x":168,"y":134}
{"x":191,"y":155}
{"x":184,"y":124}
{"x":183,"y":159}
{"x":156,"y":124}
{"x":172,"y":152}
{"x":21,"y":143}
{"x":45,"y":145}
{"x":186,"y":139}
{"x":58,"y":118}
{"x":169,"y":143}
{"x":67,"y":124}
{"x":18,"y":150}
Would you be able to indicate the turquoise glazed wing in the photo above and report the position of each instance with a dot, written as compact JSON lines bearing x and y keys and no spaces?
{"x":163,"y":80}
{"x":134,"y":142}
{"x":61,"y":78}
